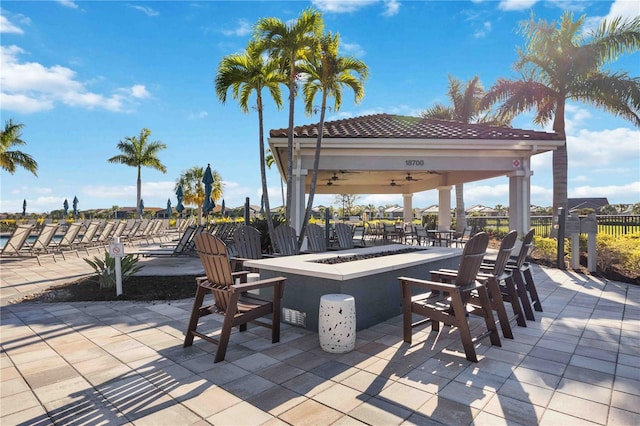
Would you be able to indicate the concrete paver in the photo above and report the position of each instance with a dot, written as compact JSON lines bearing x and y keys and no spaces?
{"x":123,"y":363}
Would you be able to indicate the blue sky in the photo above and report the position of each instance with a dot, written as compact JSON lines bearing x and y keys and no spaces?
{"x":83,"y":75}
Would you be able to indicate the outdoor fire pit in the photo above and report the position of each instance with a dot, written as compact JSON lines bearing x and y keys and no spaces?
{"x":370,"y":277}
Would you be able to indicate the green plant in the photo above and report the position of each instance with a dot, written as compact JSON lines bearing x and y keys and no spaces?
{"x":545,"y":248}
{"x":106,"y":269}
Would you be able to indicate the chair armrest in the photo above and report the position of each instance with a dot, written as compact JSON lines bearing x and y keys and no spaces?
{"x":269,"y":282}
{"x":431,"y":285}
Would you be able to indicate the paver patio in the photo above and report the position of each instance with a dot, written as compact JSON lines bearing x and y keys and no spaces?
{"x":123,"y":363}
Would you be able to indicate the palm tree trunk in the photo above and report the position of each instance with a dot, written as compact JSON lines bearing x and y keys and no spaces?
{"x":461,"y":216}
{"x":138,"y":193}
{"x":314,"y":174}
{"x":292,"y":97}
{"x":263,"y":171}
{"x":560,"y":164}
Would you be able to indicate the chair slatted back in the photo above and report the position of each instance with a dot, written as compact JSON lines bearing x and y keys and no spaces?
{"x":106,"y":232}
{"x":506,"y":247}
{"x":344,"y":233}
{"x":286,"y":240}
{"x":119,"y":229}
{"x":316,"y":238}
{"x":69,"y":237}
{"x":527,"y":244}
{"x":89,"y":233}
{"x":17,"y":239}
{"x":215,"y":261}
{"x":471,"y":259}
{"x":247,"y":242}
{"x":44,"y":238}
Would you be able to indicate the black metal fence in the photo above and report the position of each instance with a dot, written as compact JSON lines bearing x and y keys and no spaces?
{"x":611,"y":225}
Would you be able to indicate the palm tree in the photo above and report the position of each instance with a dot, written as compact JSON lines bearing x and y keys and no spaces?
{"x":328,"y":73}
{"x":138,"y":152}
{"x":289,"y":43}
{"x":193,"y":188}
{"x":246,"y":73}
{"x":9,"y":160}
{"x":559,"y":63}
{"x":466,"y":108}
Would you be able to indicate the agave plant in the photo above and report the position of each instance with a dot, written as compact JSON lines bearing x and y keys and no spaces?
{"x":106,"y":269}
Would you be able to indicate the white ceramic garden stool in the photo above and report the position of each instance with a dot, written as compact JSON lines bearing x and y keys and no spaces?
{"x":337,"y":323}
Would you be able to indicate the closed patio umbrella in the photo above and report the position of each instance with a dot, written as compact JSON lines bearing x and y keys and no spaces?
{"x":75,"y":206}
{"x":141,"y":207}
{"x":179,"y":195}
{"x":24,"y":207}
{"x":65,"y":206}
{"x":222,"y":208}
{"x":169,"y":207}
{"x":207,"y":179}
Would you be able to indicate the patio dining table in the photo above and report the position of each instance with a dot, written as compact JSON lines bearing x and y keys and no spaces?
{"x":441,"y":236}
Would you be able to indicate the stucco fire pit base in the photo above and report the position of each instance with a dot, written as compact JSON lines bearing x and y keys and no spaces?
{"x":372,"y":282}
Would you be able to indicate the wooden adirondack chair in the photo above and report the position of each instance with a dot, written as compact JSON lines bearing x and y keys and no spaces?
{"x":286,"y":241}
{"x":447,"y":303}
{"x":500,"y":285}
{"x":344,"y":232}
{"x":523,"y":277}
{"x":316,"y":238}
{"x":230,"y":300}
{"x":247,"y":244}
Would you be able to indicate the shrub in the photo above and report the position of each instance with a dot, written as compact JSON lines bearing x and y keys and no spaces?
{"x":106,"y":269}
{"x":545,"y":248}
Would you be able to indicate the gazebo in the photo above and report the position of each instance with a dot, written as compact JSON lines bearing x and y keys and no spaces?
{"x":393,"y":154}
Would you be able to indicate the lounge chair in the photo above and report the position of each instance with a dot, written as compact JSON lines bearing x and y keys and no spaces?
{"x":230,"y":300}
{"x":184,"y":246}
{"x":68,"y":242}
{"x":16,"y":241}
{"x":447,"y":303}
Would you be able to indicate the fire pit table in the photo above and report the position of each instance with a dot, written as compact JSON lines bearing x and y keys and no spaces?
{"x":369,"y":274}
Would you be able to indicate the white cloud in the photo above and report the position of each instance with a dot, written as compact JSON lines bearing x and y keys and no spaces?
{"x":391,"y":7}
{"x":628,"y":193}
{"x":7,"y":27}
{"x":516,"y":4}
{"x":486,"y":29}
{"x":600,"y":149}
{"x":146,"y":10}
{"x":353,"y":49}
{"x":626,"y":9}
{"x":68,"y":3}
{"x":242,"y":29}
{"x":197,"y":116}
{"x":30,"y":87}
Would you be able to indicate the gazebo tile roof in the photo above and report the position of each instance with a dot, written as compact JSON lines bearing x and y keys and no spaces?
{"x":405,"y":127}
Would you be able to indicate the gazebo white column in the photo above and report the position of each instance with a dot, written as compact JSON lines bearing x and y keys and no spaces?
{"x":444,"y":207}
{"x":407,"y":204}
{"x":520,"y":200}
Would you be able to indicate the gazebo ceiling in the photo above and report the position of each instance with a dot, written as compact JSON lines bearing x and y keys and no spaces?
{"x":389,"y":154}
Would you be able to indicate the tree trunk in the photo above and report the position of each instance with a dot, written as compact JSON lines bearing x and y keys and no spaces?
{"x":314,"y":174}
{"x":560,"y":165}
{"x":139,"y":193}
{"x":461,"y":216}
{"x":292,"y":97}
{"x":263,"y":170}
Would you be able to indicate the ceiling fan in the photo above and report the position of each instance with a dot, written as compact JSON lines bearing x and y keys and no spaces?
{"x":410,"y":178}
{"x":394,"y":183}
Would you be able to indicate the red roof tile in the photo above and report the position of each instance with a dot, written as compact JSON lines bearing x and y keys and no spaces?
{"x":399,"y":127}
